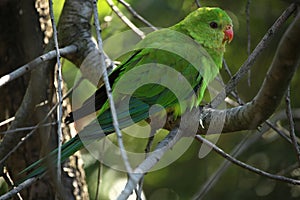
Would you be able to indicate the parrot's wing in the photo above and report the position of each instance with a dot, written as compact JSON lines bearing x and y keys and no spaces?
{"x":98,"y":99}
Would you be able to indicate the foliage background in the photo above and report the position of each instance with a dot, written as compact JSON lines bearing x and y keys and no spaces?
{"x":183,"y":178}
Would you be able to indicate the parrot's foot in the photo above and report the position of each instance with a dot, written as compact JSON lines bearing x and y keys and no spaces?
{"x":202,"y":115}
{"x":201,"y":123}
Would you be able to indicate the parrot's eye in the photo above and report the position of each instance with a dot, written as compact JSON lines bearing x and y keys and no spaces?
{"x":213,"y":25}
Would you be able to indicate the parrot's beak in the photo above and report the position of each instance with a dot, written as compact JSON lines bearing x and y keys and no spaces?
{"x":228,"y":34}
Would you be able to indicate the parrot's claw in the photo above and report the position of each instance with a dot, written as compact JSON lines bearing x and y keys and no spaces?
{"x":201,"y":123}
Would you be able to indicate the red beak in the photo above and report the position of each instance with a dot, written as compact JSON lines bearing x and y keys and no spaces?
{"x":228,"y":34}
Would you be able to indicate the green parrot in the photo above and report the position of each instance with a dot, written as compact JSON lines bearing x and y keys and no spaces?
{"x":186,"y":56}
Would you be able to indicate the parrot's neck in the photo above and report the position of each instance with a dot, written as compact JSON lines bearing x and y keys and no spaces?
{"x":216,"y":53}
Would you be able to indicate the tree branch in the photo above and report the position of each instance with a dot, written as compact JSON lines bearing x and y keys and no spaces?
{"x":136,"y":15}
{"x":125,"y":19}
{"x":34,"y":63}
{"x":58,"y":93}
{"x":291,"y":124}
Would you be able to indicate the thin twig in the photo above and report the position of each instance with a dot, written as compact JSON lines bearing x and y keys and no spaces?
{"x":147,"y":151}
{"x":7,"y":121}
{"x":58,"y":92}
{"x":29,"y":128}
{"x":288,"y":169}
{"x":291,"y":124}
{"x":136,"y":15}
{"x":125,"y":19}
{"x":234,"y":92}
{"x":34,"y":63}
{"x":110,"y":65}
{"x":227,"y":70}
{"x":248,"y":36}
{"x":198,"y":3}
{"x":98,"y":180}
{"x":279,"y":132}
{"x":109,"y":92}
{"x":244,"y":165}
{"x":252,"y":58}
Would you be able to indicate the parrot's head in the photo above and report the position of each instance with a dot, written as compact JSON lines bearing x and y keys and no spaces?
{"x":211,"y":27}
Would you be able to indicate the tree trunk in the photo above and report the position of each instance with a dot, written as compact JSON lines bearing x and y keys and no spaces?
{"x":30,"y":98}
